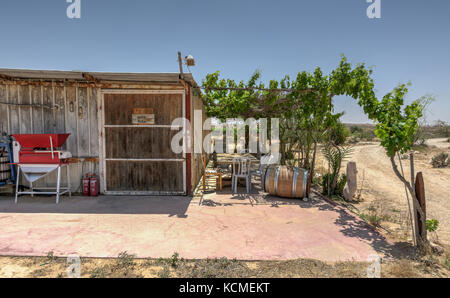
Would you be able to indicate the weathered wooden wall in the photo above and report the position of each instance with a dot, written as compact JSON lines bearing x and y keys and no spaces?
{"x":55,"y":109}
{"x":197,"y":104}
{"x":71,"y":108}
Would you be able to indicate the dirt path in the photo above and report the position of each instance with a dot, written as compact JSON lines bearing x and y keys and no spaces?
{"x":384,"y":190}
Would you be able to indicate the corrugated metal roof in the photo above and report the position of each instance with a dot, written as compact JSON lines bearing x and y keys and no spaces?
{"x":100,"y":76}
{"x":42,"y":74}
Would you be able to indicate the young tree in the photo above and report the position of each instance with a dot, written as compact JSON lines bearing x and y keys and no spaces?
{"x":309,"y":101}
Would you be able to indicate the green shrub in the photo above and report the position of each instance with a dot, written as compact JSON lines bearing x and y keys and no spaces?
{"x":338,"y":134}
{"x":339,"y":186}
{"x":174,"y":260}
{"x":432,"y":225}
{"x":325,"y":182}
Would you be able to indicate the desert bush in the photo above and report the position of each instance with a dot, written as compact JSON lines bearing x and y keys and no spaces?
{"x":124,"y":260}
{"x":353,"y":140}
{"x":375,"y":216}
{"x":175,"y":260}
{"x":357,"y":132}
{"x":443,"y":128}
{"x":368,"y":135}
{"x":355,"y":129}
{"x":440,"y":160}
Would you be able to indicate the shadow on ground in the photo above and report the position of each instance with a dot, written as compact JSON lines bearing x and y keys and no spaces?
{"x":350,"y":225}
{"x":172,"y":206}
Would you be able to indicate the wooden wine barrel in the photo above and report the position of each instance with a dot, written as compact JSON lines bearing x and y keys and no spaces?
{"x":288,"y":182}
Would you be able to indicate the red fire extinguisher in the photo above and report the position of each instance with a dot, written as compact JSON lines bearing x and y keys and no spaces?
{"x":94,"y":186}
{"x":86,"y":185}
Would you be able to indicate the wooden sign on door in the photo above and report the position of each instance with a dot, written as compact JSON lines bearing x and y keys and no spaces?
{"x":143,"y":116}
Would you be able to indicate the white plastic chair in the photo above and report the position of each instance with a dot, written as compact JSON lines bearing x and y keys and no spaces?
{"x":241,"y":169}
{"x":264,"y":163}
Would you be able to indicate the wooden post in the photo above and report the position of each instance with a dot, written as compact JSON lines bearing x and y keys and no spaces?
{"x":191,"y":135}
{"x":180,"y":62}
{"x":414,"y":200}
{"x":420,"y":194}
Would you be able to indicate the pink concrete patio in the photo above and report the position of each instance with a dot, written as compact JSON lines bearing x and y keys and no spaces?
{"x":159,"y":226}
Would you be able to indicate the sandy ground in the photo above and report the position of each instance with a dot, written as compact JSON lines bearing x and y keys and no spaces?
{"x":380,"y":187}
{"x":439,"y":143}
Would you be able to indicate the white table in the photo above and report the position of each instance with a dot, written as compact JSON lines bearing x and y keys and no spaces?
{"x":34,"y":172}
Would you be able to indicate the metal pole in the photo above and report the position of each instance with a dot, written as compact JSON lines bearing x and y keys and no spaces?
{"x":17,"y":183}
{"x":58,"y":184}
{"x":68,"y":180}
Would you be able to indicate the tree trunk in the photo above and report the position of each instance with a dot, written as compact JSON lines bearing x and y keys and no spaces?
{"x":336,"y":170}
{"x":313,"y":163}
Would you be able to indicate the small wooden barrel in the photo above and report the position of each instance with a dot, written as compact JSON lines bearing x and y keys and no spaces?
{"x":4,"y":168}
{"x":288,"y":182}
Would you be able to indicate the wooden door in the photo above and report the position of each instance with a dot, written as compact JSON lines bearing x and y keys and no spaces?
{"x":137,"y":144}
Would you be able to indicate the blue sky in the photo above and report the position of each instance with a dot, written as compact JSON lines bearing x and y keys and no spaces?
{"x":411,"y":41}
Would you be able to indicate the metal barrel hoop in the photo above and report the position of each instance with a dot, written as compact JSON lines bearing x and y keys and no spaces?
{"x":305,"y":182}
{"x":277,"y":173}
{"x":294,"y":183}
{"x":266,"y":187}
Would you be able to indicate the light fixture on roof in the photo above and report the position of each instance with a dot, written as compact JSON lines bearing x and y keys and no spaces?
{"x":189,"y":60}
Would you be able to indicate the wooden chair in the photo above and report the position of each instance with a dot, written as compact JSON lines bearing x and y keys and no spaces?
{"x":210,"y":173}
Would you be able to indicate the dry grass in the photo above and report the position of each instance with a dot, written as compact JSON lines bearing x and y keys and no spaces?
{"x":125,"y":266}
{"x":401,"y":269}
